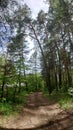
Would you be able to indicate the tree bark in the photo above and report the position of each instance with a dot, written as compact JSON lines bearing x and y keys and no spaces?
{"x":48,"y":82}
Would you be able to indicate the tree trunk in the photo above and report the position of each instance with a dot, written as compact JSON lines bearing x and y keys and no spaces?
{"x":60,"y":77}
{"x":48,"y":82}
{"x":3,"y":83}
{"x":56,"y":82}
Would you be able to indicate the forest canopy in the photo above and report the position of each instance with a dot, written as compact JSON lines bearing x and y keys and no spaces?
{"x":50,"y":65}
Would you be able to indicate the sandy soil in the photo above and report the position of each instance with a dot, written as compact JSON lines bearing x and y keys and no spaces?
{"x":39,"y":114}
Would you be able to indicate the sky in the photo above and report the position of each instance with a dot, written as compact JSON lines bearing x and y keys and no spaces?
{"x":35,"y":6}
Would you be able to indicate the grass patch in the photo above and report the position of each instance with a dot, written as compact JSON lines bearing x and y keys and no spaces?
{"x":5,"y":108}
{"x":66,"y":102}
{"x":13,"y":105}
{"x":62,"y":98}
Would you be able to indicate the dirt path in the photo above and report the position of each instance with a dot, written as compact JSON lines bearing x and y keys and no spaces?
{"x":39,"y":114}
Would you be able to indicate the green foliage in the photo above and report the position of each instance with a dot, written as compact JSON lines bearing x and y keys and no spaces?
{"x":66,"y":102}
{"x":70,"y":91}
{"x":13,"y":106}
{"x":6,"y":108}
{"x":4,"y":3}
{"x":35,"y":83}
{"x":53,"y":33}
{"x":62,"y":98}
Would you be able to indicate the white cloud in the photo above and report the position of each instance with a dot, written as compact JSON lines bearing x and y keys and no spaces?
{"x":35,"y":6}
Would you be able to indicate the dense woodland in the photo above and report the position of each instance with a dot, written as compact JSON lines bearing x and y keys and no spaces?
{"x":48,"y":66}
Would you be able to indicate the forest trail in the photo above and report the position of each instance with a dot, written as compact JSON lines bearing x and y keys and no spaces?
{"x":39,"y":114}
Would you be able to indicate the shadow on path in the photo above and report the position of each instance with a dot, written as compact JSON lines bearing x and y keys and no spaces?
{"x":38,"y":99}
{"x":61,"y":120}
{"x":65,"y":123}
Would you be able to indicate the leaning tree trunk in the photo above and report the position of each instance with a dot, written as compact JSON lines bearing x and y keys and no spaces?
{"x":48,"y":81}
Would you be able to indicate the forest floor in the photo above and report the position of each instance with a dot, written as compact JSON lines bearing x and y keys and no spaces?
{"x":39,"y":114}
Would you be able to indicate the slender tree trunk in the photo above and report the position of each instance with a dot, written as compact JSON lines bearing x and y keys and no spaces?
{"x":26,"y":84}
{"x":56,"y":81}
{"x":3,"y":84}
{"x":48,"y":81}
{"x":59,"y":68}
{"x":7,"y":93}
{"x":3,"y":81}
{"x":19,"y":81}
{"x":60,"y":77}
{"x":69,"y":78}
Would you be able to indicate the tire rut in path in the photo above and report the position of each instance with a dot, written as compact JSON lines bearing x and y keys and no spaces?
{"x":40,"y":114}
{"x":38,"y":99}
